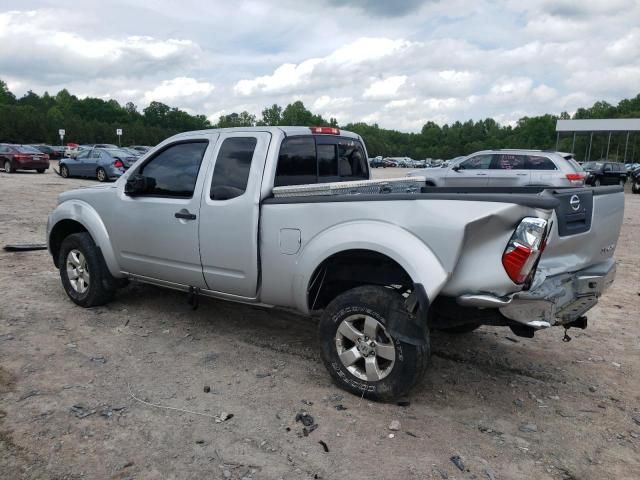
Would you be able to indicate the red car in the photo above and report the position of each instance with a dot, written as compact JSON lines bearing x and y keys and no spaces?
{"x":22,"y":157}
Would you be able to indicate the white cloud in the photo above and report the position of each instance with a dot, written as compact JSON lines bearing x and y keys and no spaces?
{"x":172,"y":90}
{"x":384,"y":89}
{"x":438,"y":61}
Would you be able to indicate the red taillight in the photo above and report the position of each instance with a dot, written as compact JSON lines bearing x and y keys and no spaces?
{"x":325,"y":130}
{"x":21,"y":156}
{"x":524,"y":249}
{"x":118,"y":163}
{"x":576,"y":177}
{"x":514,"y":261}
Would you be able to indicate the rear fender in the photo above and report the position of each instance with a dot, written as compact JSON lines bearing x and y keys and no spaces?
{"x":411,"y":253}
{"x":85,"y":214}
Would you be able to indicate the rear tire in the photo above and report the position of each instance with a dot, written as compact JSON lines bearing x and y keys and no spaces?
{"x":7,"y":167}
{"x":101,"y":175}
{"x":64,"y":171}
{"x":359,"y":353}
{"x":597,"y":183}
{"x":40,"y":170}
{"x":83,"y":271}
{"x":635,"y":187}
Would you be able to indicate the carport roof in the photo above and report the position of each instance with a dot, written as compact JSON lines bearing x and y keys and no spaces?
{"x":599,"y":125}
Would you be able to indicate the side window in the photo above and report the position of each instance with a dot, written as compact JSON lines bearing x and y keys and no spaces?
{"x":509,"y":161}
{"x":95,"y":154}
{"x":84,"y":154}
{"x":174,"y":170}
{"x":4,"y":149}
{"x":231,"y":173}
{"x":479,"y":162}
{"x":297,"y":162}
{"x":536,"y":162}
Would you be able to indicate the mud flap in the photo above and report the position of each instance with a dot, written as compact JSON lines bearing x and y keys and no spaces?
{"x":410,"y":325}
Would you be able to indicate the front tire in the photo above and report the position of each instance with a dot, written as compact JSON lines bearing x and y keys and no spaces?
{"x":64,"y":171}
{"x":8,"y":168}
{"x":358,"y":351}
{"x":83,"y":272}
{"x":597,"y":183}
{"x":101,"y":175}
{"x":635,"y":187}
{"x":40,"y":170}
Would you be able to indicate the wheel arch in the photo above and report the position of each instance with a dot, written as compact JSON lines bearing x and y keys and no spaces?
{"x":74,"y":216}
{"x":371,"y":253}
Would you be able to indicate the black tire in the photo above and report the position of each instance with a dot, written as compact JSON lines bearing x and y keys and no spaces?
{"x":377,"y":303}
{"x":635,"y":187}
{"x":597,"y":182}
{"x":101,"y":175}
{"x":8,"y":168}
{"x":40,"y":170}
{"x":460,"y":329}
{"x":64,"y":171}
{"x":101,"y":285}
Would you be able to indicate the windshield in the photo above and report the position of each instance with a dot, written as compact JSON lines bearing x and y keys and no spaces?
{"x":117,"y":152}
{"x":27,"y":149}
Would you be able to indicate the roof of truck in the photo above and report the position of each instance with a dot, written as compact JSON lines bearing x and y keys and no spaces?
{"x":288,"y":131}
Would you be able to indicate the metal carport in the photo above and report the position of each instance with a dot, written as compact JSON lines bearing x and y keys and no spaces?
{"x":604,"y":125}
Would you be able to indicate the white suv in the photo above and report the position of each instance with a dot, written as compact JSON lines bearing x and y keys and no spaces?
{"x":507,"y":168}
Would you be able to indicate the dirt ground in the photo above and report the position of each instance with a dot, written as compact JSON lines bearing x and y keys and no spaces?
{"x":510,"y":408}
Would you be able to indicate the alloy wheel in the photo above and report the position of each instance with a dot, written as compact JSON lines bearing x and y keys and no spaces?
{"x":365,"y":348}
{"x":78,"y":271}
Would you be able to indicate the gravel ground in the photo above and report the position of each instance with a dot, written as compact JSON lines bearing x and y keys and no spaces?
{"x":510,"y":408}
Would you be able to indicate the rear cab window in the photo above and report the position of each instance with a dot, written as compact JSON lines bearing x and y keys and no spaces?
{"x":309,"y":159}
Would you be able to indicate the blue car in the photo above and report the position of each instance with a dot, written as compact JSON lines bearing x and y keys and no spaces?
{"x":101,"y":163}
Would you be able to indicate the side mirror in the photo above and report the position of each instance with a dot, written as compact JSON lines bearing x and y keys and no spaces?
{"x":456,"y":168}
{"x":139,"y":184}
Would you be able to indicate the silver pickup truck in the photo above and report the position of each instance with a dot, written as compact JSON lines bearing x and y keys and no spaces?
{"x":204,"y":213}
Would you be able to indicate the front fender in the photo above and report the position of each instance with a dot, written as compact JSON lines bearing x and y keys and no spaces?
{"x":412,"y":254}
{"x":85,"y":214}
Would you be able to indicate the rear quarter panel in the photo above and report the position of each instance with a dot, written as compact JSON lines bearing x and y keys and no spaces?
{"x":450,"y":246}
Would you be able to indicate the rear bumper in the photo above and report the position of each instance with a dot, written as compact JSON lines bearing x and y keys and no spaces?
{"x":562,"y":298}
{"x":556,"y":300}
{"x":31,"y":164}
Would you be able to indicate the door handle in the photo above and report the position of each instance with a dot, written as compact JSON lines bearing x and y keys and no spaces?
{"x":481,"y":174}
{"x":184,"y":214}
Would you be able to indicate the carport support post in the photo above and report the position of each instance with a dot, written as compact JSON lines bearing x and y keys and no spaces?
{"x":626,"y":146}
{"x":589,"y":151}
{"x":557,"y":140}
{"x":608,"y":142}
{"x":573,"y":145}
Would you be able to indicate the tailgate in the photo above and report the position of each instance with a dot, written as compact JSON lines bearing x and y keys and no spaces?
{"x":586,"y":226}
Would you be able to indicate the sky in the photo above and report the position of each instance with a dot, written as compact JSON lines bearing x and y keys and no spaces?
{"x":395,"y":63}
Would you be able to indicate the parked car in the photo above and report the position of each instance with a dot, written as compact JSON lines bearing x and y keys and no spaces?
{"x":22,"y":157}
{"x":141,"y":148}
{"x":132,"y":151}
{"x":506,"y":168}
{"x":211,"y":213}
{"x":100,"y":163}
{"x":605,"y":173}
{"x":52,"y":151}
{"x":634,"y":176}
{"x":378,"y":162}
{"x":71,"y":149}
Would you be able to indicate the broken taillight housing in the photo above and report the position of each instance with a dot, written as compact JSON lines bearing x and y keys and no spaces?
{"x":524,"y":248}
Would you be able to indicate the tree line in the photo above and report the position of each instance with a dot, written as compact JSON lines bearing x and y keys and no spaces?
{"x":35,"y":118}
